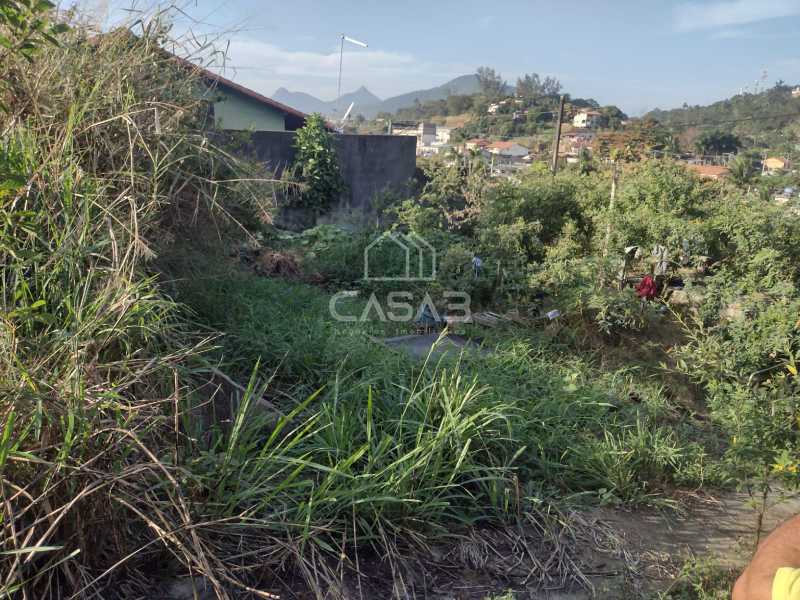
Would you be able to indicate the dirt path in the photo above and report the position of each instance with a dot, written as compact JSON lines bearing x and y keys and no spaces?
{"x":723,"y":527}
{"x":658,"y":543}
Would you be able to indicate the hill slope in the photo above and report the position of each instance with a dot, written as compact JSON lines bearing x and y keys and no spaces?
{"x":464,"y":85}
{"x":759,"y":118}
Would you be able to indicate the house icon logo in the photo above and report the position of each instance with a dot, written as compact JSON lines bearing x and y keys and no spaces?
{"x":395,"y":256}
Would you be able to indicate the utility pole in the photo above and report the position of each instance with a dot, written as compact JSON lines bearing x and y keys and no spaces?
{"x":339,"y":86}
{"x":342,"y":39}
{"x":611,"y":205}
{"x":557,"y":140}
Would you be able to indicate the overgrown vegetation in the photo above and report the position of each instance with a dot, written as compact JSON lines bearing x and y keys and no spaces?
{"x":316,"y":166}
{"x":168,"y":411}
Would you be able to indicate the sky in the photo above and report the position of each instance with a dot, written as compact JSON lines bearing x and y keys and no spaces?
{"x":637,"y":54}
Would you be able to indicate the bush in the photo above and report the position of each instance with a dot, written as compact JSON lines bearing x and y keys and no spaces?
{"x":316,"y":166}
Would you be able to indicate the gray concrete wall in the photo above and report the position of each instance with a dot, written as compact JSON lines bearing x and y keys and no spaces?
{"x":370,"y":165}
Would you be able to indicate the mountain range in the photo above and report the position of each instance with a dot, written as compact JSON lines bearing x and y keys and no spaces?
{"x":368,"y":104}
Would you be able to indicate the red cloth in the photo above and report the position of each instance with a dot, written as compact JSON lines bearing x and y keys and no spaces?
{"x":647,"y":288}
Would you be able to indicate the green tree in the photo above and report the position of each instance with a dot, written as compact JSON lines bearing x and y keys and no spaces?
{"x":316,"y":165}
{"x":457,"y":104}
{"x":614,"y":116}
{"x":717,"y":142}
{"x":531,"y":85}
{"x":741,"y":170}
{"x":491,"y":83}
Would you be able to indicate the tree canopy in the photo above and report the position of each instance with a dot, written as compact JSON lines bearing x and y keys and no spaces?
{"x":491,"y":82}
{"x":717,"y":142}
{"x":531,"y":85}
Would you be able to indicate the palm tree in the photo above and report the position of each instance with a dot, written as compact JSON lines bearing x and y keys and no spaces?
{"x":741,"y":170}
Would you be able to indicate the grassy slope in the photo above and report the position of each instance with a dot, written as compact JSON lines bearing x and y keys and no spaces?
{"x":580,"y":429}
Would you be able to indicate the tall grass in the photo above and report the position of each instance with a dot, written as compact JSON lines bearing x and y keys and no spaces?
{"x":100,"y":149}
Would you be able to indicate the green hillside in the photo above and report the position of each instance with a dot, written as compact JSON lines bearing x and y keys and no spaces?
{"x":770,"y":119}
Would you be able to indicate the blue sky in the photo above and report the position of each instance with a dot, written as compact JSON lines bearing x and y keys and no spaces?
{"x":638,"y":54}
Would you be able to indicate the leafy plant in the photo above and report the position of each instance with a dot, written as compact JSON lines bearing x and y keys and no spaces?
{"x":25,"y":25}
{"x":316,"y":165}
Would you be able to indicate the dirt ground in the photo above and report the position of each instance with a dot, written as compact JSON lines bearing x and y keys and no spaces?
{"x":636,"y":554}
{"x":720,"y":528}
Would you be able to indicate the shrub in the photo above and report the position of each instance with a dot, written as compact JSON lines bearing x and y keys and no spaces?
{"x":316,"y":165}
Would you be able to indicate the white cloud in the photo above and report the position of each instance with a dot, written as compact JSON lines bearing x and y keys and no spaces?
{"x":695,"y":15}
{"x":265,"y":67}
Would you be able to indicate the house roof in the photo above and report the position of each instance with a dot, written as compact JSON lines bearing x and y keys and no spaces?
{"x":505,"y":145}
{"x":209,"y":76}
{"x":478,"y":142}
{"x":214,"y":78}
{"x":709,"y":171}
{"x":776,"y":160}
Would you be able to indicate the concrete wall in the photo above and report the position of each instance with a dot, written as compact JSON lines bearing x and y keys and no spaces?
{"x":370,"y":164}
{"x":238,"y":112}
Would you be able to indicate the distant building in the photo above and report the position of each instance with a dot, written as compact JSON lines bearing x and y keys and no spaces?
{"x":775,"y":164}
{"x":508,"y":150}
{"x":477,"y":144}
{"x":431,"y":139}
{"x":426,"y":133}
{"x":796,"y":92}
{"x":572,"y":142}
{"x":496,"y":106}
{"x":442,"y":135}
{"x":709,"y":171}
{"x":409,"y":131}
{"x":588,"y":119}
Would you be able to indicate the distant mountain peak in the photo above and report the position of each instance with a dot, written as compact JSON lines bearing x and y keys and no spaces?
{"x":368,"y":104}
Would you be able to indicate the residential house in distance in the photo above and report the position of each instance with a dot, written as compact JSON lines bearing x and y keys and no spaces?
{"x":573,"y":142}
{"x":774,"y":165}
{"x":494,"y":107}
{"x":796,"y":92}
{"x":431,"y":138}
{"x":509,"y":151}
{"x":443,"y":135}
{"x":426,"y":133}
{"x":476,"y":144}
{"x":709,"y":171}
{"x":588,"y":119}
{"x":409,"y":131}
